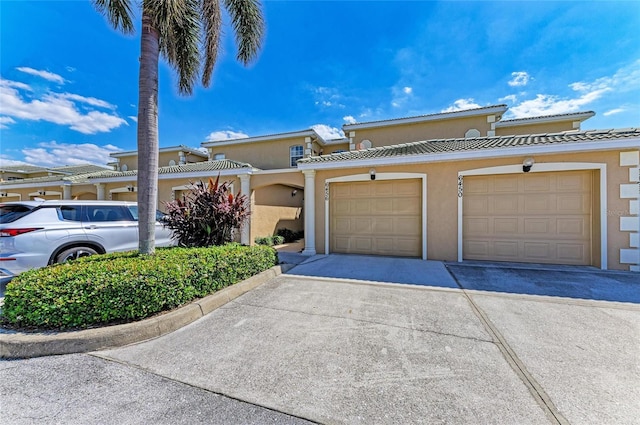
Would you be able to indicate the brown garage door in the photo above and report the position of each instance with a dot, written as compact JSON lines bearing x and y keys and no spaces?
{"x":528,"y":217}
{"x":377,"y":217}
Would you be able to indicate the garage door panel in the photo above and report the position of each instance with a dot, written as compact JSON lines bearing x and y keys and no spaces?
{"x":547,"y":220}
{"x":382,"y":225}
{"x":476,"y":186}
{"x":539,"y":204}
{"x":383,"y":218}
{"x":570,"y":252}
{"x":573,"y":183}
{"x":537,"y":226}
{"x":574,"y":204}
{"x":504,"y":204}
{"x":505,"y":249}
{"x":505,"y":184}
{"x":476,"y":226}
{"x":537,"y":182}
{"x":477,"y":206}
{"x":342,"y":225}
{"x":476,"y":249}
{"x":505,"y":226}
{"x":538,"y":251}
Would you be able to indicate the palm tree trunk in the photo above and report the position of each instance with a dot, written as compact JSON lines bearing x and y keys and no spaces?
{"x":148,"y":135}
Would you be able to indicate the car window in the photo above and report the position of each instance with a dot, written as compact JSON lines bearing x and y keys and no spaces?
{"x":100,"y":213}
{"x":70,"y":212}
{"x":10,"y":213}
{"x":134,"y":211}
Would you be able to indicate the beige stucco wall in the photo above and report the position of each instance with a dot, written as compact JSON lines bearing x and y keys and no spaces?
{"x":266,"y":155}
{"x":444,"y":129}
{"x":553,"y":127}
{"x":273,"y":208}
{"x":442,"y":201}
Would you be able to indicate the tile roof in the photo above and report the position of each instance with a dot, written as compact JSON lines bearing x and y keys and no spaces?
{"x":436,"y":146}
{"x":203,"y":166}
{"x":224,"y":164}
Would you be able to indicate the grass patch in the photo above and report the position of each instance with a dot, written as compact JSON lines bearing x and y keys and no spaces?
{"x":124,"y":287}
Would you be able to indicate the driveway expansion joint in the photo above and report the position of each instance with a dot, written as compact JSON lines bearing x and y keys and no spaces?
{"x":536,"y":390}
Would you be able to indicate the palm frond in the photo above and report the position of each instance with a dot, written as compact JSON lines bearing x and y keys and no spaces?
{"x":117,"y":12}
{"x":211,"y":29}
{"x":248,"y":25}
{"x":178,"y":23}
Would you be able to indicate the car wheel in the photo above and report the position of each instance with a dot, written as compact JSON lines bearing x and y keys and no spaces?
{"x":75,"y":253}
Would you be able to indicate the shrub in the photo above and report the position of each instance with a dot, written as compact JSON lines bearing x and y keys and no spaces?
{"x":122,"y":287}
{"x":289,"y":235}
{"x":264,"y":240}
{"x":207,"y":215}
{"x":269,"y":240}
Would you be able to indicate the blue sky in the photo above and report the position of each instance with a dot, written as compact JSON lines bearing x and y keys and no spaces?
{"x":68,"y":87}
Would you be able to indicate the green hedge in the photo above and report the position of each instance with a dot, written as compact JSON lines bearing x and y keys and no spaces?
{"x":123,"y":287}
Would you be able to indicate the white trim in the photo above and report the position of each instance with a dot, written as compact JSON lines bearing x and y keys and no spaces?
{"x":379,"y":177}
{"x":276,"y":171}
{"x":267,"y":138}
{"x":5,"y":195}
{"x":629,"y":158}
{"x":489,"y":110}
{"x":540,"y":168}
{"x":124,"y":189}
{"x":46,"y":193}
{"x":309,"y":213}
{"x":608,"y":145}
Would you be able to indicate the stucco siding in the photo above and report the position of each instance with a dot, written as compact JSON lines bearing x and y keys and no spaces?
{"x":442,"y":201}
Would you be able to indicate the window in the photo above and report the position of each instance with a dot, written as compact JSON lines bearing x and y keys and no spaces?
{"x":107,"y":213}
{"x":295,"y":153}
{"x":70,"y":212}
{"x":218,"y":156}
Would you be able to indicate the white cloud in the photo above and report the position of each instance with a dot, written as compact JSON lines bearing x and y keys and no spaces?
{"x":545,"y":104}
{"x":625,"y":79}
{"x":133,"y":118}
{"x":5,"y":162}
{"x":328,"y":132}
{"x":88,"y":100}
{"x":349,"y":119}
{"x":327,"y":97}
{"x":520,"y":78}
{"x":407,"y":90}
{"x":613,"y":111}
{"x":58,"y":108}
{"x":225,"y":135}
{"x":42,"y":74}
{"x":6,"y":120}
{"x":461,"y":105}
{"x":55,"y":154}
{"x":511,"y":98}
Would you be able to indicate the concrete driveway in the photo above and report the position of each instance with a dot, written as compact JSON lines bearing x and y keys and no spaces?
{"x":342,"y":350}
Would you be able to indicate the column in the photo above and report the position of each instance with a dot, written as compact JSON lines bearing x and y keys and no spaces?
{"x":100,"y":191}
{"x":309,"y":212}
{"x":245,"y":189}
{"x":66,"y":191}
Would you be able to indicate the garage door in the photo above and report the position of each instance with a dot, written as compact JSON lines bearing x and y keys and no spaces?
{"x":528,"y":217}
{"x":377,"y":217}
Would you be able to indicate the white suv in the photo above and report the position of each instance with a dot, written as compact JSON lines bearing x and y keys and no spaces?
{"x":39,"y":233}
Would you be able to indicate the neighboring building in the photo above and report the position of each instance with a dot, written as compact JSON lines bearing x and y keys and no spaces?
{"x":455,"y":186}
